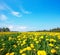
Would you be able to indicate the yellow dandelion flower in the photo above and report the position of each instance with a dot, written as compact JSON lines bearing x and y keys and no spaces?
{"x":28,"y":48}
{"x":12,"y":53}
{"x":41,"y":52}
{"x":14,"y":46}
{"x":59,"y":37}
{"x":42,"y":37}
{"x":34,"y":49}
{"x":3,"y":44}
{"x":37,"y":42}
{"x":24,"y":49}
{"x":47,"y":39}
{"x":19,"y":39}
{"x":10,"y":38}
{"x":53,"y":51}
{"x":24,"y":42}
{"x":51,"y":44}
{"x":23,"y":53}
{"x":35,"y":39}
{"x":31,"y":45}
{"x":1,"y":49}
{"x":7,"y":53}
{"x":52,"y":40}
{"x":57,"y":47}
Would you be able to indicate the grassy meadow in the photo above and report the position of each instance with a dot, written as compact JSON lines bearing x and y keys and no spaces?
{"x":29,"y":43}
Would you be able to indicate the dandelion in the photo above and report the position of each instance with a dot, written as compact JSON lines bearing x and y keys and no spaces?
{"x":51,"y":44}
{"x":3,"y":44}
{"x":28,"y":48}
{"x":41,"y":52}
{"x":37,"y":42}
{"x":24,"y":49}
{"x":31,"y":45}
{"x":35,"y":39}
{"x":23,"y":53}
{"x":52,"y":40}
{"x":47,"y":39}
{"x":14,"y":46}
{"x":1,"y":49}
{"x":53,"y":51}
{"x":7,"y":53}
{"x":42,"y":37}
{"x":57,"y":47}
{"x":10,"y":38}
{"x":12,"y":53}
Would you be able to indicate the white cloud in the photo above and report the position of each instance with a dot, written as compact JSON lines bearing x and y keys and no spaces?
{"x":3,"y":17}
{"x":17,"y":14}
{"x":25,"y":11}
{"x":10,"y":27}
{"x":4,"y":6}
{"x":17,"y":27}
{"x":22,"y":27}
{"x":13,"y":27}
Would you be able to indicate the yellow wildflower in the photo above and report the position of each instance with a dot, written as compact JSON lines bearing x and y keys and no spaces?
{"x":42,"y":37}
{"x":1,"y":49}
{"x":28,"y":48}
{"x":52,"y":40}
{"x":41,"y":52}
{"x":31,"y":45}
{"x":7,"y":53}
{"x":51,"y":44}
{"x":3,"y":44}
{"x":11,"y":53}
{"x":24,"y":49}
{"x":57,"y":47}
{"x":37,"y":42}
{"x":35,"y":39}
{"x":14,"y":46}
{"x":47,"y":39}
{"x":53,"y":51}
{"x":10,"y":38}
{"x":23,"y":53}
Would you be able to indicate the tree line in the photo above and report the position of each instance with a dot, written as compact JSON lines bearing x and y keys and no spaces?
{"x":51,"y":30}
{"x":4,"y":29}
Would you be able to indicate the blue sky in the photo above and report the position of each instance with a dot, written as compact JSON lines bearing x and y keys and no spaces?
{"x":27,"y":15}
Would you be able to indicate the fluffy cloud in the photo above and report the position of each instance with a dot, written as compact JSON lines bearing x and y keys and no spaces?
{"x":17,"y":27}
{"x":22,"y":27}
{"x":4,"y":6}
{"x":10,"y":27}
{"x":25,"y":11}
{"x":17,"y":14}
{"x":3,"y":17}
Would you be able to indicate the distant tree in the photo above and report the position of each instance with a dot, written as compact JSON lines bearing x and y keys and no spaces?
{"x":4,"y":29}
{"x":55,"y":29}
{"x":7,"y":29}
{"x":0,"y":29}
{"x":51,"y":30}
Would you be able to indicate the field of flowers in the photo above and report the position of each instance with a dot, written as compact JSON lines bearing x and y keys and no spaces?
{"x":29,"y":43}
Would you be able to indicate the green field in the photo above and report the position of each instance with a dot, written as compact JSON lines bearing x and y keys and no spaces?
{"x":29,"y":43}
